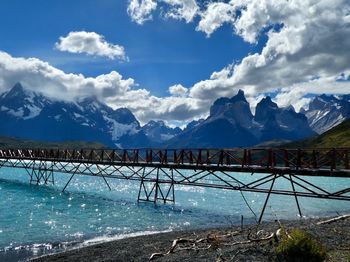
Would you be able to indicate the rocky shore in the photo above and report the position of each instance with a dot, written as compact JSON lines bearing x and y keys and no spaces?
{"x":252,"y":243}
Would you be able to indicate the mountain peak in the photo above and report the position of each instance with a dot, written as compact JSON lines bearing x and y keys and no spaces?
{"x":239,"y":97}
{"x":89,"y":99}
{"x":16,"y":91}
{"x":327,"y":98}
{"x":265,"y":109}
{"x":236,"y":109}
{"x":158,"y":131}
{"x":125,"y":116}
{"x":267,"y":101}
{"x":18,"y":86}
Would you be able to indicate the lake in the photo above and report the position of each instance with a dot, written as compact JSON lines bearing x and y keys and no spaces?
{"x":41,"y":219}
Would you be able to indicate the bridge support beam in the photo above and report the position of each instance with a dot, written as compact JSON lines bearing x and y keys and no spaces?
{"x":292,"y":182}
{"x":2,"y":163}
{"x":42,"y":172}
{"x":155,"y":190}
{"x":295,"y":195}
{"x":267,"y":198}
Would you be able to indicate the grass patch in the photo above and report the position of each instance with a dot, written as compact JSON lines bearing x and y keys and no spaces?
{"x":300,"y":246}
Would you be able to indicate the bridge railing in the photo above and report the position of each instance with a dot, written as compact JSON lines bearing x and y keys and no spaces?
{"x":327,"y":158}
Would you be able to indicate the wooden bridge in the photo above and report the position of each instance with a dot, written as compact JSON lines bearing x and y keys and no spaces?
{"x":160,"y":170}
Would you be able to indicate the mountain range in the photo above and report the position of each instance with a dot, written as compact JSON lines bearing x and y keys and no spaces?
{"x":232,"y":124}
{"x":30,"y":115}
{"x":325,"y":112}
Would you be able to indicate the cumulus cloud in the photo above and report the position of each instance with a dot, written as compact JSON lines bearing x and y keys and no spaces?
{"x":295,"y":94}
{"x":110,"y":88}
{"x":181,"y":9}
{"x":306,"y":40}
{"x":305,"y":52}
{"x":90,"y":43}
{"x":178,"y":90}
{"x":141,"y":10}
{"x":215,"y":16}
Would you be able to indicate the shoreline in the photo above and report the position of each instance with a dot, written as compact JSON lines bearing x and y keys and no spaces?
{"x":140,"y":248}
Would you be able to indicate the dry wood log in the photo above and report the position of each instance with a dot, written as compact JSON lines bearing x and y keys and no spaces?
{"x":335,"y":219}
{"x":271,"y":236}
{"x":208,"y":239}
{"x":174,"y":245}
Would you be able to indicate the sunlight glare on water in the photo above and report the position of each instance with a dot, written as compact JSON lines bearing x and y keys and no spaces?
{"x":33,"y":214}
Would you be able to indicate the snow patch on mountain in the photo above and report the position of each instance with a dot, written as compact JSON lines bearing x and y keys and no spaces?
{"x":158,"y":131}
{"x":327,"y":111}
{"x":118,"y":130}
{"x":33,"y":111}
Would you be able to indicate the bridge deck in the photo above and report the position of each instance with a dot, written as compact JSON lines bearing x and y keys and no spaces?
{"x":313,"y":162}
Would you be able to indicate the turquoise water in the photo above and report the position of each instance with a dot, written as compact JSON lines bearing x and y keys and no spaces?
{"x":39,"y":219}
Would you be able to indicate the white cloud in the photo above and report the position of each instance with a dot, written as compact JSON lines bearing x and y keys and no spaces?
{"x":215,"y":16}
{"x":90,"y":43}
{"x":178,"y":90}
{"x":141,"y":10}
{"x":295,"y":94}
{"x":310,"y":44}
{"x":110,"y":88}
{"x":306,"y":53}
{"x":182,"y":9}
{"x":306,"y":40}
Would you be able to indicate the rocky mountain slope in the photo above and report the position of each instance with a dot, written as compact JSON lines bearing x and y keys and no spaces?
{"x":325,"y":112}
{"x":30,"y":115}
{"x":158,"y":132}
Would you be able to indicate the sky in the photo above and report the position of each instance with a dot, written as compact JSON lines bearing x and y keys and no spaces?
{"x":170,"y":59}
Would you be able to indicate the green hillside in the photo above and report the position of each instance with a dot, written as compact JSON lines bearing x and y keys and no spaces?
{"x":12,"y":142}
{"x":338,"y":136}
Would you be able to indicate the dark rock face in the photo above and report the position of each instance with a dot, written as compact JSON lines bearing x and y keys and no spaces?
{"x":280,"y":123}
{"x":265,"y":109}
{"x":217,"y":133}
{"x":235,"y":109}
{"x":231,"y":124}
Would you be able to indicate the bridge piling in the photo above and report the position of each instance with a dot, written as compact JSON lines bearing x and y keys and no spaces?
{"x":41,"y":172}
{"x":155,"y":189}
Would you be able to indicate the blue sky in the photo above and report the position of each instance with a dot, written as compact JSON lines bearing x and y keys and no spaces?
{"x":162,"y":52}
{"x":182,"y":54}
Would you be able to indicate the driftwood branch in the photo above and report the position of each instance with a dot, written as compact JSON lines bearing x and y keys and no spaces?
{"x":174,"y":245}
{"x":210,"y":239}
{"x":329,"y":221}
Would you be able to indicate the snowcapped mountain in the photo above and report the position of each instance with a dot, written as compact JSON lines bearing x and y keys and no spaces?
{"x":232,"y":124}
{"x":326,"y":112}
{"x":30,"y":115}
{"x":22,"y":103}
{"x":158,"y":131}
